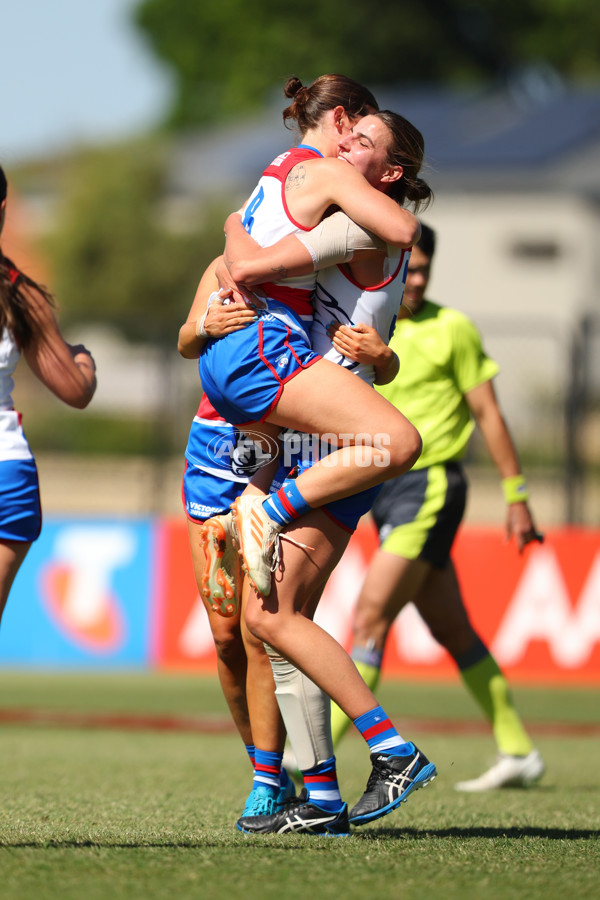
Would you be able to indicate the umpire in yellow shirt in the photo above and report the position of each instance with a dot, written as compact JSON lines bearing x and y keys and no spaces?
{"x":444,"y":387}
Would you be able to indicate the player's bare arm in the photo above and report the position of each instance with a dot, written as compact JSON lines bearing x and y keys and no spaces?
{"x":332,"y":182}
{"x":486,"y":411}
{"x":220,"y":319}
{"x":249,"y":264}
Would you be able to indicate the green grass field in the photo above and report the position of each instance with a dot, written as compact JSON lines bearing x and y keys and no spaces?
{"x":125,"y":812}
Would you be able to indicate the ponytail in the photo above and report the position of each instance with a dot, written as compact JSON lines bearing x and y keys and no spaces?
{"x":407,"y":149}
{"x":417,"y":192}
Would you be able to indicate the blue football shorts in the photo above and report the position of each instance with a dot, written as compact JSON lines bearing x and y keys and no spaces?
{"x":204,"y":495}
{"x":243,"y":374}
{"x":219,"y":461}
{"x":20,"y":507}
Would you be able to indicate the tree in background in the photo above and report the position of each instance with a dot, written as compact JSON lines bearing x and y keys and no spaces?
{"x":117,"y":261}
{"x":119,"y":258}
{"x":229,"y":55}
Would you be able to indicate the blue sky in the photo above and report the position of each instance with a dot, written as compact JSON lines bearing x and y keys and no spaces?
{"x":73,"y":72}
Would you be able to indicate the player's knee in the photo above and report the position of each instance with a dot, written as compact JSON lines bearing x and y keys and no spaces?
{"x":369,"y":630}
{"x":416,"y":447}
{"x":257,"y":624}
{"x":228,"y":644}
{"x":454,"y":636}
{"x":404,"y":449}
{"x":365,"y":618}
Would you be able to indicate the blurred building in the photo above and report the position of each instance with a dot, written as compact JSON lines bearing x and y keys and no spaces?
{"x":516,"y":176}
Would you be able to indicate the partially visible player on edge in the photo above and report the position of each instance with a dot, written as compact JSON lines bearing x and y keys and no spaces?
{"x":444,"y":382}
{"x":377,"y":141}
{"x":28,"y":327}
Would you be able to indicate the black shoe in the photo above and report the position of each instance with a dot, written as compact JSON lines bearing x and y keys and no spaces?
{"x":390,"y":782}
{"x":300,"y":816}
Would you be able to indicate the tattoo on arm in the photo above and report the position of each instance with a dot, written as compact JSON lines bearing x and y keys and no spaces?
{"x":295,"y":178}
{"x":279,"y":272}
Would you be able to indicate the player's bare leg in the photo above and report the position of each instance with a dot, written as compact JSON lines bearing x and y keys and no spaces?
{"x":229,"y":645}
{"x":398,"y":766}
{"x":12,"y":554}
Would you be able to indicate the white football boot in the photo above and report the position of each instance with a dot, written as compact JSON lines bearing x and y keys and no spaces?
{"x":507,"y":771}
{"x":258,"y":535}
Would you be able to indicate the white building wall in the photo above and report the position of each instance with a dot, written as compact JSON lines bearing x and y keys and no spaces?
{"x":525,"y":305}
{"x":477,"y":270}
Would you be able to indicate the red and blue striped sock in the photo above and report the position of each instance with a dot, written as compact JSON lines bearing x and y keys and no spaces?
{"x":250,"y":750}
{"x":322,"y":786}
{"x":284,"y":778}
{"x":267,"y":769}
{"x":286,"y":505}
{"x":380,"y":734}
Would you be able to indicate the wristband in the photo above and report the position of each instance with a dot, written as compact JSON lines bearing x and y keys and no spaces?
{"x":515,"y":489}
{"x":201,"y":331}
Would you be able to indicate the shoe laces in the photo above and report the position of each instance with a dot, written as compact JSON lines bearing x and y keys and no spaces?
{"x":381,"y":768}
{"x":264,"y":808}
{"x":376,"y":772}
{"x":276,"y":548}
{"x":262,"y":805}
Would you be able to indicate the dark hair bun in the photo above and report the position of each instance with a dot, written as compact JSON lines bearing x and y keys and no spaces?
{"x":292,"y":86}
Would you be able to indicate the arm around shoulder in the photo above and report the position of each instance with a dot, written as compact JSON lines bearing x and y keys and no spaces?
{"x":373,"y":209}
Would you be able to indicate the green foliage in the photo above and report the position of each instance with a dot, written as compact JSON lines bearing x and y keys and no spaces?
{"x":62,"y":430}
{"x":116,"y":260}
{"x":229,"y":55}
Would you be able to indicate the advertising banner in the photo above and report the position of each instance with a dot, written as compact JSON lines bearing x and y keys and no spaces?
{"x":118,"y":594}
{"x":182,"y":638}
{"x":539,"y":612}
{"x":82,"y":597}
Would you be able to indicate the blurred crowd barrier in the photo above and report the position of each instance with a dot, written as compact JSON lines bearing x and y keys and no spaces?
{"x":120,"y":593}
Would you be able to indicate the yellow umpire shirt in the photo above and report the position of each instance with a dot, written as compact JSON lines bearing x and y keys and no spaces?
{"x":441,"y":359}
